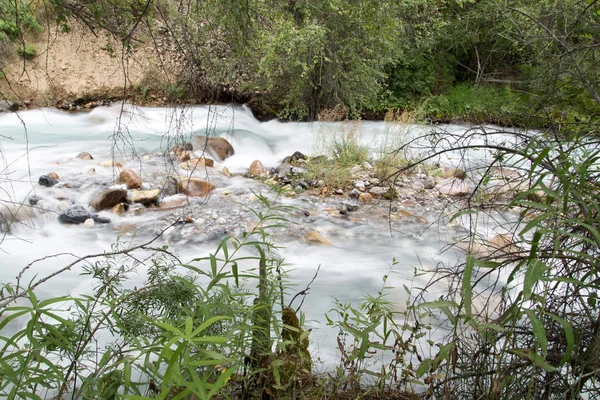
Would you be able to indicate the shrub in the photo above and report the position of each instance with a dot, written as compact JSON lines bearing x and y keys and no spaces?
{"x":27,"y":51}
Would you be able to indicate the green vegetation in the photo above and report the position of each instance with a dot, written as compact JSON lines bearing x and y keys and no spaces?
{"x":27,"y":51}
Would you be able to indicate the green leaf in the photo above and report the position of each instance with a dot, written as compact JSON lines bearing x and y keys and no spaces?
{"x":534,"y":358}
{"x":467,"y":293}
{"x":437,"y":304}
{"x":424,"y":367}
{"x":538,"y":331}
{"x":535,"y":271}
{"x":569,"y":336}
{"x":208,"y":323}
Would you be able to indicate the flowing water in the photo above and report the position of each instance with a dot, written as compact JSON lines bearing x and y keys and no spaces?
{"x":364,"y":243}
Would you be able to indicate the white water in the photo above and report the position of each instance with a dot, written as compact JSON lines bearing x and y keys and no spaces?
{"x":41,"y":141}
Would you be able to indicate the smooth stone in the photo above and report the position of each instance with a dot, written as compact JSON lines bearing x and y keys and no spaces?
{"x":109,"y":198}
{"x":53,"y":175}
{"x":47,"y":181}
{"x":365,"y":198}
{"x":195,"y":187}
{"x":84,"y":156}
{"x":257,"y":168}
{"x":453,"y":187}
{"x":145,"y":197}
{"x":130,"y":178}
{"x":217,"y":147}
{"x":314,"y":237}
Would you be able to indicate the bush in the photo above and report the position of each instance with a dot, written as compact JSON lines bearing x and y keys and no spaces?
{"x":27,"y":51}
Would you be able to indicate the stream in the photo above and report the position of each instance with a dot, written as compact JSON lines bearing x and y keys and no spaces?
{"x":361,"y":245}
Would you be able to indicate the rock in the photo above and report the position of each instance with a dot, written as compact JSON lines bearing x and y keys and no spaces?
{"x":257,"y":168}
{"x":428,"y":183}
{"x":119,"y":209}
{"x":355,"y":170}
{"x":112,"y":163}
{"x":350,"y":207}
{"x":146,"y":186}
{"x":53,"y":175}
{"x":137,"y":209}
{"x":451,"y":172}
{"x":453,"y":187}
{"x":173,"y":202}
{"x":171,"y":186}
{"x":109,"y":199}
{"x":298,"y":156}
{"x":339,"y":192}
{"x":314,"y":237}
{"x":145,"y":197}
{"x":84,"y":156}
{"x":92,"y":171}
{"x":218,"y":147}
{"x":417,"y":185}
{"x":130,"y":178}
{"x":89,"y":223}
{"x":226,"y":172}
{"x":360,"y":185}
{"x":197,"y":163}
{"x":195,"y":187}
{"x":283,"y":169}
{"x":15,"y":212}
{"x":34,"y":199}
{"x":45,"y":180}
{"x":354,"y":194}
{"x":298,"y":170}
{"x":365,"y":198}
{"x":378,"y":191}
{"x":8,"y":106}
{"x":78,"y":215}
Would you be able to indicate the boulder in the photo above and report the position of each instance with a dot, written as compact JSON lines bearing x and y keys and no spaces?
{"x":195,"y":187}
{"x":453,"y":187}
{"x":109,"y":199}
{"x":217,"y":147}
{"x":130,"y":178}
{"x":145,"y":197}
{"x":257,"y":168}
{"x":78,"y":215}
{"x":47,"y":181}
{"x":84,"y":156}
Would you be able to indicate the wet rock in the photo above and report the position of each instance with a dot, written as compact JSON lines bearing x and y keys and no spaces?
{"x":217,"y":147}
{"x":119,"y":209}
{"x":350,"y":207}
{"x":84,"y":156}
{"x":89,"y":223}
{"x":33,"y":200}
{"x":53,"y":175}
{"x":197,"y":163}
{"x":354,"y":193}
{"x":109,"y":199}
{"x":303,"y":185}
{"x":453,"y":187}
{"x":92,"y":171}
{"x":47,"y":181}
{"x":195,"y":187}
{"x":257,"y":168}
{"x":78,"y":215}
{"x":112,"y":163}
{"x":130,"y":178}
{"x":137,"y":209}
{"x":145,"y":197}
{"x":365,"y":198}
{"x":173,"y":202}
{"x":226,"y":172}
{"x":314,"y":237}
{"x":171,"y":186}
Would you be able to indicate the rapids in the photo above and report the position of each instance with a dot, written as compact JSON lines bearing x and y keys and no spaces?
{"x":364,"y":244}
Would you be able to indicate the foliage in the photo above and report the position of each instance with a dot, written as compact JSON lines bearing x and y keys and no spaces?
{"x":17,"y":17}
{"x":27,"y":51}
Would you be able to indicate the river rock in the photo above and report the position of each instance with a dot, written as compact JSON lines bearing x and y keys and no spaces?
{"x":109,"y":199}
{"x":314,"y":237}
{"x":195,"y":187}
{"x":78,"y":215}
{"x":257,"y":168}
{"x":283,"y":169}
{"x":171,"y":186}
{"x":53,"y":175}
{"x":89,"y":223}
{"x":130,"y":178}
{"x":354,"y":193}
{"x":417,"y":185}
{"x":112,"y":163}
{"x":14,"y":212}
{"x":226,"y":172}
{"x":47,"y":181}
{"x":173,"y":202}
{"x":378,"y":191}
{"x":297,"y":156}
{"x":365,"y":198}
{"x":145,"y":197}
{"x":84,"y":156}
{"x":451,"y":172}
{"x":217,"y":147}
{"x":360,"y":185}
{"x":119,"y":209}
{"x":453,"y":187}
